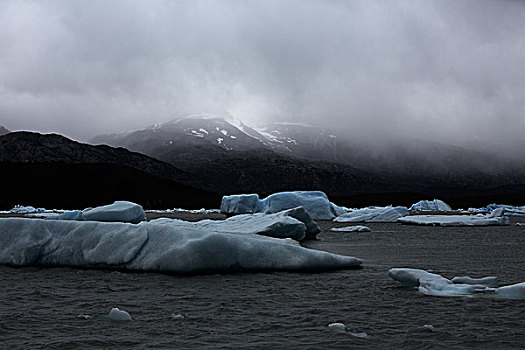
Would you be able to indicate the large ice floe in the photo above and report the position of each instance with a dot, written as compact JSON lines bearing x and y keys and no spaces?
{"x":153,"y":246}
{"x":495,"y":218}
{"x":426,"y":205}
{"x":292,"y":223}
{"x":119,"y":211}
{"x":374,"y":214}
{"x":316,"y":203}
{"x":437,"y":285}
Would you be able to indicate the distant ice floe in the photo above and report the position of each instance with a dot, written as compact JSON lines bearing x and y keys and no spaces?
{"x":189,"y":211}
{"x":351,"y":229}
{"x":437,"y":285}
{"x":21,"y":209}
{"x":119,"y":211}
{"x":508,"y":210}
{"x":434,"y":205}
{"x":374,"y":214}
{"x":177,"y":247}
{"x":495,"y":218}
{"x":316,"y":203}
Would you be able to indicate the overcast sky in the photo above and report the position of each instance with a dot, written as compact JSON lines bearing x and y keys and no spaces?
{"x":443,"y":68}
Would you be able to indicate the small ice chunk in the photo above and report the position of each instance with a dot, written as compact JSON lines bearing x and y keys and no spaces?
{"x":118,"y":315}
{"x":514,"y":291}
{"x":411,"y":277}
{"x":428,"y":327}
{"x":351,"y":229}
{"x":358,"y":334}
{"x":490,"y":281}
{"x":83,"y":317}
{"x":177,"y":317}
{"x":337,"y":327}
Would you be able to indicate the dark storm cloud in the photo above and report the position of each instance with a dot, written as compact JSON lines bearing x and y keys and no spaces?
{"x":452,"y":70}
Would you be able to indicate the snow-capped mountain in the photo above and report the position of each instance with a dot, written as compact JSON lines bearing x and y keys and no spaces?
{"x":230,"y":134}
{"x":415,"y":157}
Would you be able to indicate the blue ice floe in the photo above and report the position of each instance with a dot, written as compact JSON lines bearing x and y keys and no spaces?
{"x":374,"y":214}
{"x":149,"y":246}
{"x":119,"y":211}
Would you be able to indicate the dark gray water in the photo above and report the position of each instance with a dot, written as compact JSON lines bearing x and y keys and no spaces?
{"x":40,"y":307}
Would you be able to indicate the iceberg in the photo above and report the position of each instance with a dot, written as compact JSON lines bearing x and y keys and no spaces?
{"x":239,"y":204}
{"x":513,"y":291}
{"x":150,"y":246}
{"x":411,"y":277}
{"x":316,"y":203}
{"x":374,"y":214}
{"x":293,"y":223}
{"x":351,"y":229}
{"x":456,"y":220}
{"x":426,"y":205}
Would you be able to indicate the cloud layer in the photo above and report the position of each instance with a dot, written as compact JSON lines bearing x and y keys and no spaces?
{"x":451,"y":70}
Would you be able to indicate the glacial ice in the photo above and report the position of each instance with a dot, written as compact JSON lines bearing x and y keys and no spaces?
{"x":436,"y":285}
{"x":293,"y":223}
{"x":411,"y":277}
{"x":151,"y":246}
{"x":509,"y":210}
{"x":426,"y":205}
{"x":337,"y":327}
{"x":374,"y":214}
{"x":490,"y":281}
{"x":119,"y":315}
{"x":119,"y":211}
{"x":513,"y":291}
{"x":455,"y":220}
{"x":351,"y":229}
{"x":20,"y":209}
{"x":443,"y":287}
{"x":239,"y":204}
{"x":316,"y":203}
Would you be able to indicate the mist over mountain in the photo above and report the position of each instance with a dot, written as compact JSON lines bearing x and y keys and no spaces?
{"x":442,"y":70}
{"x":404,"y":158}
{"x":238,"y":158}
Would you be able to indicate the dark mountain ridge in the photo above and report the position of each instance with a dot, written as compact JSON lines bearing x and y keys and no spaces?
{"x":55,"y":172}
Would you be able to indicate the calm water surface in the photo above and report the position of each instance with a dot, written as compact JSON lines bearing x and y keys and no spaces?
{"x":64,"y":308}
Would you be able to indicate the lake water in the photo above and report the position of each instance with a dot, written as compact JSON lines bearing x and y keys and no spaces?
{"x":63,"y":308}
